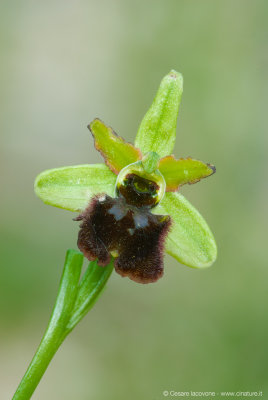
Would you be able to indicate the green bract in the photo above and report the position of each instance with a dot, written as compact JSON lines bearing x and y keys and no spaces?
{"x":190,"y":240}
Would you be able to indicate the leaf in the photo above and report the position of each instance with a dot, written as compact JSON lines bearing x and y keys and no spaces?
{"x":67,"y":293}
{"x":116,"y":152}
{"x":157,"y":131}
{"x":190,"y":240}
{"x":184,"y":170}
{"x":72,"y":187}
{"x":90,"y":288}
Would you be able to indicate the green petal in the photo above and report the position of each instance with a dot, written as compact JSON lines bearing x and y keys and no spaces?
{"x":72,"y":187}
{"x":116,"y":152}
{"x":190,"y":240}
{"x":184,"y":170}
{"x":157,"y":131}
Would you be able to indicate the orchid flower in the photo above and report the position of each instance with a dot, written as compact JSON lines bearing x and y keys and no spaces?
{"x":185,"y":236}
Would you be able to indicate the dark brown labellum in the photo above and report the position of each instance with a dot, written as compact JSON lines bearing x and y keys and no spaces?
{"x":125,"y":228}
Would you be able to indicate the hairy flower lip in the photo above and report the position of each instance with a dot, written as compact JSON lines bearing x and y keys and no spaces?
{"x":135,"y":234}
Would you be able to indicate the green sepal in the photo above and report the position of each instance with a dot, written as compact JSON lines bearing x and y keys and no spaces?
{"x":184,"y":170}
{"x":190,"y":240}
{"x":72,"y":187}
{"x":116,"y":152}
{"x":157,"y":131}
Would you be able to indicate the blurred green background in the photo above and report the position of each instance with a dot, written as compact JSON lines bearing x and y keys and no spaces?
{"x":64,"y":63}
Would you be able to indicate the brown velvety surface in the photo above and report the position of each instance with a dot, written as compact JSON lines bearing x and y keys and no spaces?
{"x":136,"y":235}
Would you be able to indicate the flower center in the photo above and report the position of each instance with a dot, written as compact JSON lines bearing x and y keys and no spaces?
{"x":139,"y":188}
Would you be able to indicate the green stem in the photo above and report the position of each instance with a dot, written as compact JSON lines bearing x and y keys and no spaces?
{"x":73,"y":302}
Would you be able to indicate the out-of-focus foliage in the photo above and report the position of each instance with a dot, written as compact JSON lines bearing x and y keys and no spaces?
{"x":61,"y":68}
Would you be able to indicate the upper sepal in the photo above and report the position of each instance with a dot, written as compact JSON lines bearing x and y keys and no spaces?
{"x":72,"y":187}
{"x":116,"y":152}
{"x":184,"y":170}
{"x":157,"y":131}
